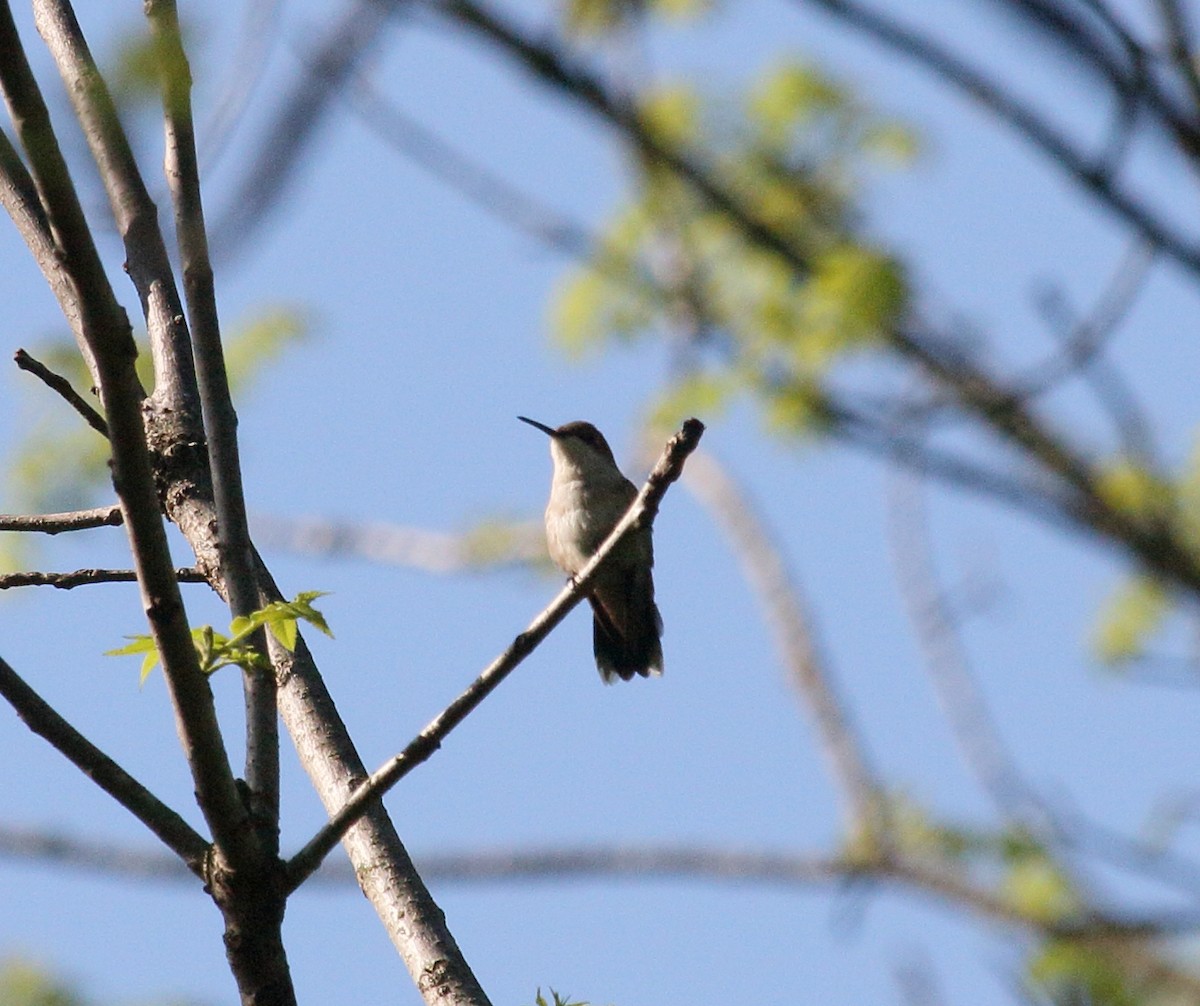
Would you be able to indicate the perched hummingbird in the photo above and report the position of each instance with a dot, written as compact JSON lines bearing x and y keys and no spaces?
{"x":588,"y":495}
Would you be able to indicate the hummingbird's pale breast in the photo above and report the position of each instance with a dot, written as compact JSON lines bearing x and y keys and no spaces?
{"x":587,"y":498}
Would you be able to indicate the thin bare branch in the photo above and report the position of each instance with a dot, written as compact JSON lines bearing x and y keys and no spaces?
{"x":1181,"y":47}
{"x":84,"y":577}
{"x":492,"y":545}
{"x":947,"y":662}
{"x":704,"y":864}
{"x":640,"y":515}
{"x":787,"y":612}
{"x":58,"y":383}
{"x":1082,"y":169}
{"x":220,"y":419}
{"x":295,"y":124}
{"x":43,"y":720}
{"x":56,"y":523}
{"x":470,"y":179}
{"x":1083,"y":339}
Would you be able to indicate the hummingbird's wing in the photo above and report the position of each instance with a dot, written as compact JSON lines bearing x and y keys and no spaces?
{"x":626,"y":625}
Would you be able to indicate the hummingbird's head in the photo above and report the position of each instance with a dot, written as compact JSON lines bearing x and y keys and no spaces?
{"x":577,"y":445}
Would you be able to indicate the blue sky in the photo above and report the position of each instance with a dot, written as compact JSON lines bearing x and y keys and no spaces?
{"x":428,"y":336}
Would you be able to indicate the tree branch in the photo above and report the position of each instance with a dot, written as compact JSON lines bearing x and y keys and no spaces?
{"x":1179,"y":45}
{"x":640,"y":515}
{"x":60,"y":384}
{"x":961,"y":75}
{"x":83,"y":577}
{"x":786,"y":612}
{"x":971,"y":722}
{"x":42,"y":719}
{"x":220,"y":419}
{"x":56,"y":230}
{"x":706,"y":864}
{"x":55,"y":523}
{"x":295,"y":125}
{"x":488,"y":546}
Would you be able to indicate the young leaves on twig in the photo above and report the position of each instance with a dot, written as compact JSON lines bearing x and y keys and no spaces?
{"x":215,"y":650}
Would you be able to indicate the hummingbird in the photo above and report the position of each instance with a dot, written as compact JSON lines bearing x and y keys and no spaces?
{"x":588,"y":495}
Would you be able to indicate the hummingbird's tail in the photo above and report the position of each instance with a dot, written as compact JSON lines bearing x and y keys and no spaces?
{"x":634,"y":646}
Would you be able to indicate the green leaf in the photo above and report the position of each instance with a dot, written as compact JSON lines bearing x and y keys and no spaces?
{"x":1129,"y":618}
{"x":681,"y":10}
{"x":261,"y":340}
{"x":892,"y":142}
{"x":141,"y":645}
{"x":696,"y":395}
{"x":284,"y":629}
{"x":1076,"y":972}
{"x":23,"y":984}
{"x":593,"y":18}
{"x":672,"y":114}
{"x":792,"y":95}
{"x":1039,"y":889}
{"x":1128,"y":487}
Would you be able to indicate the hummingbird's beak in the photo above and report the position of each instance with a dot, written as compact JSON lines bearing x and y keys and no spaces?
{"x":548,"y":430}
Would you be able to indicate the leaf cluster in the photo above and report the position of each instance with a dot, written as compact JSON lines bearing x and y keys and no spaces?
{"x":1141,"y":605}
{"x":794,"y":148}
{"x":281,"y":619}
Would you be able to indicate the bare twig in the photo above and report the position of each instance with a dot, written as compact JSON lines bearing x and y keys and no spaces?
{"x":1179,"y":45}
{"x":962,"y":703}
{"x":43,"y":720}
{"x":60,"y":384}
{"x":640,"y":515}
{"x":83,"y":577}
{"x":471,"y":180}
{"x":295,"y":125}
{"x":1084,"y":338}
{"x":1037,"y":130}
{"x":491,"y":545}
{"x":220,"y":419}
{"x":55,"y":523}
{"x":786,"y":611}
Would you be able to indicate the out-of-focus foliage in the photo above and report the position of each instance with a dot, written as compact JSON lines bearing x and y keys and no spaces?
{"x":23,"y":984}
{"x":795,"y":148}
{"x":598,"y":18}
{"x":1140,"y":606}
{"x":1010,"y":865}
